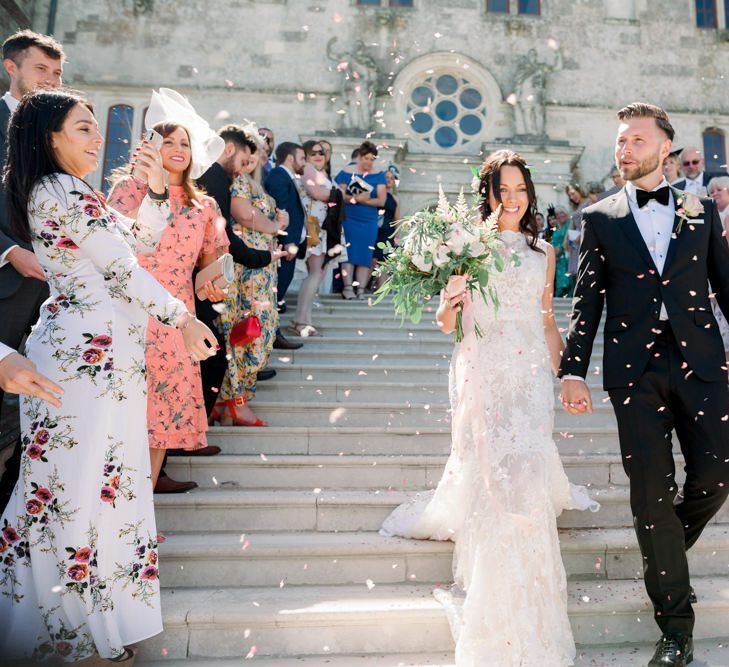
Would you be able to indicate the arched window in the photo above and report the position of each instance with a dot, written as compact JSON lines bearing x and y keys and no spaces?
{"x":118,"y":139}
{"x":715,"y":150}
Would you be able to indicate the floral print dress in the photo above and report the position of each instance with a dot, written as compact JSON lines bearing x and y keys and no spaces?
{"x":255,"y":293}
{"x":78,"y":539}
{"x":176,"y":417}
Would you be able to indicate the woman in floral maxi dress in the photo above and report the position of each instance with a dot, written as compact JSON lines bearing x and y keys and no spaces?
{"x":78,"y":541}
{"x":256,"y":222}
{"x":176,"y":417}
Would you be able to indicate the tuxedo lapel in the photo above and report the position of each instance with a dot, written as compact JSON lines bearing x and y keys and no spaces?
{"x":625,"y":220}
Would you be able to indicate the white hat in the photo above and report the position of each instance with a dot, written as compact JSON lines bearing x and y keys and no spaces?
{"x":167,"y":106}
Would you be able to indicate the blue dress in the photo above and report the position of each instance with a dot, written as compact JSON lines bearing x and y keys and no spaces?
{"x":360,"y":221}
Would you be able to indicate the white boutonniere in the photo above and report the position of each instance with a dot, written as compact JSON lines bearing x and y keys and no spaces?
{"x":688,"y":206}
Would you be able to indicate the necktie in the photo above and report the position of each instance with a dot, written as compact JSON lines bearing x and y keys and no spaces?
{"x":660,"y":195}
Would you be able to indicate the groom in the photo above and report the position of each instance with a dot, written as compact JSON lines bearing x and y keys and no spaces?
{"x":650,"y":251}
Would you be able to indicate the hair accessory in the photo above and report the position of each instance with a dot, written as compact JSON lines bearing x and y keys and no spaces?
{"x":168,"y":105}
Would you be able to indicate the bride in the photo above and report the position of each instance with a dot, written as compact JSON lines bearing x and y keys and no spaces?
{"x":504,"y":485}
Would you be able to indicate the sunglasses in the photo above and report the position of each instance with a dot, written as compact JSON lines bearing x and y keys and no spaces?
{"x":688,"y":163}
{"x":322,"y":153}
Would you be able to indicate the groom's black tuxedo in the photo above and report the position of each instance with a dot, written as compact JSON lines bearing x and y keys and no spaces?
{"x":615,"y":267}
{"x":661,"y":376}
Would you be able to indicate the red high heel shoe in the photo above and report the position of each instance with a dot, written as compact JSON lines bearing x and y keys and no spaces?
{"x":229,"y":411}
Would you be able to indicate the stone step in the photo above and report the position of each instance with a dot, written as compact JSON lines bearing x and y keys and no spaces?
{"x":347,"y":510}
{"x":312,"y":558}
{"x":362,"y":357}
{"x":392,"y":342}
{"x":400,"y":472}
{"x":707,"y":653}
{"x":345,"y":370}
{"x":375,"y":440}
{"x":382,"y":619}
{"x":354,"y":413}
{"x":288,"y":391}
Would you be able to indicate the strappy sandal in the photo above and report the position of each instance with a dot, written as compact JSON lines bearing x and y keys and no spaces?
{"x":303,"y":330}
{"x":348,"y":293}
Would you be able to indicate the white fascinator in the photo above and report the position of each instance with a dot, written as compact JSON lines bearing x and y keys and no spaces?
{"x":168,"y":105}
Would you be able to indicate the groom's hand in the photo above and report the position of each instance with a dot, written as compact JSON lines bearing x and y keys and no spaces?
{"x":575,"y":397}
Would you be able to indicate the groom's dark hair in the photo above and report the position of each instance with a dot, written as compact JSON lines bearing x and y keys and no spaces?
{"x":645,"y":110}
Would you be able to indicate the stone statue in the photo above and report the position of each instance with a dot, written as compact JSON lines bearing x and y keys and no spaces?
{"x":530,"y":94}
{"x":358,"y":72}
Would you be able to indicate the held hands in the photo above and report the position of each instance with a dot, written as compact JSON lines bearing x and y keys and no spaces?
{"x":196,"y":335}
{"x":19,"y":376}
{"x":147,"y":163}
{"x":575,"y":397}
{"x":26,"y":263}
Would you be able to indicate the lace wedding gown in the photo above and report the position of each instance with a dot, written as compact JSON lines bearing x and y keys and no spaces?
{"x":503,"y":486}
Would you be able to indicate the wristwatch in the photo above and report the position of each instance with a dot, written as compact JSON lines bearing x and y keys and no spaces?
{"x":158,"y":197}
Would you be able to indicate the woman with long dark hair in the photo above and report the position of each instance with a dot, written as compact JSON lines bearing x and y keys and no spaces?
{"x":176,"y":416}
{"x":79,"y":542}
{"x":504,"y":485}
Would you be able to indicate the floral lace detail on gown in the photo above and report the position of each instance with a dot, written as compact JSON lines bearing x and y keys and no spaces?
{"x":504,"y":485}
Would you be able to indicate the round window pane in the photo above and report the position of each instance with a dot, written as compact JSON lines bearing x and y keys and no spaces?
{"x":470,"y":124}
{"x":447,"y":84}
{"x":471,"y":98}
{"x":446,"y":110}
{"x":446,"y":137}
{"x":422,"y":123}
{"x":422,"y":96}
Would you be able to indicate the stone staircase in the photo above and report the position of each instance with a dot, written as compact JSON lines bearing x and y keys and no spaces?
{"x":276,"y":556}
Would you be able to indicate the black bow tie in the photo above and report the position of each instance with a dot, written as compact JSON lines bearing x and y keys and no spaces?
{"x":661,"y":196}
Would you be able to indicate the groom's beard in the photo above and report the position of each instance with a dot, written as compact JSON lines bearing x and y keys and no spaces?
{"x":647,"y":166}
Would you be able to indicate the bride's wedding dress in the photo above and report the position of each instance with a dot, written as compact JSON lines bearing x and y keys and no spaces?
{"x":504,"y":485}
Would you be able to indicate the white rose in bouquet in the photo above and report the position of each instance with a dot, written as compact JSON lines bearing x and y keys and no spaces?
{"x":441,"y":258}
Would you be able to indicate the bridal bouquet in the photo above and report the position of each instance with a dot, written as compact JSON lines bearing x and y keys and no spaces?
{"x":433,"y":246}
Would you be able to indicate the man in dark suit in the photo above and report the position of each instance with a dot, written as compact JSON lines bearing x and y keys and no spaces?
{"x":650,"y":252}
{"x":281,"y":183}
{"x":31,"y":61}
{"x":694,"y":167}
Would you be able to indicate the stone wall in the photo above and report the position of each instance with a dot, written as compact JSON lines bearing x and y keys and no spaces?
{"x":266,"y":60}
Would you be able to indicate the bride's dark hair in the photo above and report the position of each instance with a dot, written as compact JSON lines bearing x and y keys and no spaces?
{"x":490,"y":181}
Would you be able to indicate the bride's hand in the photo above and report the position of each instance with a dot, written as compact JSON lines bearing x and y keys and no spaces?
{"x":455,"y":291}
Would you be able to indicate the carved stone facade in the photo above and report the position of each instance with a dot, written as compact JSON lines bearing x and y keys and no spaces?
{"x":436,"y":84}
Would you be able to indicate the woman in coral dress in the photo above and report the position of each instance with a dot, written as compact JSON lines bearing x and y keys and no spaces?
{"x":176,"y":417}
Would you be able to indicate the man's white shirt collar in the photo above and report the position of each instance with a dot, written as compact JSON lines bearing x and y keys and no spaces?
{"x":11,"y":101}
{"x":630,"y":189}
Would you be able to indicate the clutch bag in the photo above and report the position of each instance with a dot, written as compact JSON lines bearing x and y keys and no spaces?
{"x":221,"y":273}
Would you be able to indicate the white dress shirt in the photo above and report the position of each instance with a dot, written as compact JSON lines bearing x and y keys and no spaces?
{"x":696,"y":185}
{"x":5,"y":351}
{"x":12,"y":105}
{"x":655,"y":223}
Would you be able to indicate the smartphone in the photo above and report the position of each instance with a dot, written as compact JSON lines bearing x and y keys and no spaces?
{"x":155,"y":140}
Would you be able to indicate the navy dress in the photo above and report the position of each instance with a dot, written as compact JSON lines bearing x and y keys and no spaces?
{"x":385,"y":232}
{"x":360,"y":221}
